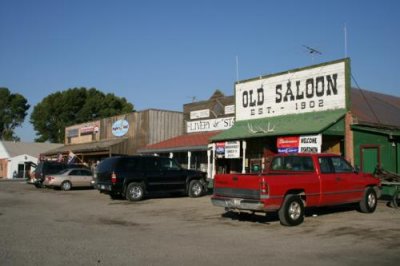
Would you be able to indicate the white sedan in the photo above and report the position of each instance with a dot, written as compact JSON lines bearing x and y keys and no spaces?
{"x":69,"y":178}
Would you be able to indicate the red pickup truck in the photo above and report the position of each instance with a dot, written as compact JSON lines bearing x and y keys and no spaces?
{"x":295,"y":181}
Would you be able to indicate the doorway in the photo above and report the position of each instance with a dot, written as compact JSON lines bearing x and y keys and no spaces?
{"x":370,"y":158}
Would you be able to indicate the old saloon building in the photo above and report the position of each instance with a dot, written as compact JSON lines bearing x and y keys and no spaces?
{"x":312,"y":109}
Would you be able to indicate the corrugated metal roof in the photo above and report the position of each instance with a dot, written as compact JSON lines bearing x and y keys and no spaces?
{"x":383,"y":131}
{"x":193,"y":141}
{"x":31,"y":148}
{"x":307,"y":123}
{"x":375,"y":108}
{"x":90,"y":146}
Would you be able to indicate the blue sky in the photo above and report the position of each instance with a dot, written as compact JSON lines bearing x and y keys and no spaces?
{"x":160,"y":54}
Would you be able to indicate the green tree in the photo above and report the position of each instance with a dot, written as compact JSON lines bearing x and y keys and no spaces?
{"x":13,"y":110}
{"x":74,"y":106}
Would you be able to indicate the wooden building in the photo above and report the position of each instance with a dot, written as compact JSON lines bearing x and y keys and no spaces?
{"x":203,"y":120}
{"x":310,"y":109}
{"x":118,"y":135}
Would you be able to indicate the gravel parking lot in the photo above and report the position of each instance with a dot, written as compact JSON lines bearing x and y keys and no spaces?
{"x":83,"y":227}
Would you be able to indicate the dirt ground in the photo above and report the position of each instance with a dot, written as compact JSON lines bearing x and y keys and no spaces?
{"x":84,"y":227}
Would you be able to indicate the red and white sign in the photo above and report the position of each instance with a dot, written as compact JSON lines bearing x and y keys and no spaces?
{"x":89,"y":128}
{"x":220,"y":149}
{"x":288,"y":144}
{"x":299,"y":144}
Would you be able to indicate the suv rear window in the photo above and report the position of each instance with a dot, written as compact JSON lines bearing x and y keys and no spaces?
{"x":129,"y":164}
{"x":107,"y":164}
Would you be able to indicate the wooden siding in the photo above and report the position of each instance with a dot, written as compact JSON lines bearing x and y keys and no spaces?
{"x":106,"y":132}
{"x":164,"y":125}
{"x":215,"y":104}
{"x":84,"y":138}
{"x":145,"y":127}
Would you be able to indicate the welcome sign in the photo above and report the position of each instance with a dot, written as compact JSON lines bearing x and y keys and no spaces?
{"x":318,"y":88}
{"x":299,"y":144}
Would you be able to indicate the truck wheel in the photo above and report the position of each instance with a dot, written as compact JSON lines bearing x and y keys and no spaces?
{"x":66,"y":185}
{"x":292,"y":211}
{"x":196,"y":189}
{"x":369,"y":201}
{"x":134,"y":192}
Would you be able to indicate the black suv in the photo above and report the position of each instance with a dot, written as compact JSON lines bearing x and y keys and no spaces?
{"x":132,"y":177}
{"x":51,"y":167}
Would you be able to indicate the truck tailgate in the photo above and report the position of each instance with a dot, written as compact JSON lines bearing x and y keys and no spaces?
{"x":245,"y":186}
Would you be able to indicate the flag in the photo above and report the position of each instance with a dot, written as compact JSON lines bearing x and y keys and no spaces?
{"x":60,"y":158}
{"x":71,"y":157}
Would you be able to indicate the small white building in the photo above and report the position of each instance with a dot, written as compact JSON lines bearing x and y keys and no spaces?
{"x":18,"y":159}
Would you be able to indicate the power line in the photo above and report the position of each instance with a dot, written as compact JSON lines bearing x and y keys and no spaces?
{"x":366,"y":100}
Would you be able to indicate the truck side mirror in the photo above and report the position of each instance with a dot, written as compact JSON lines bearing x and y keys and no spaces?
{"x":357,"y":169}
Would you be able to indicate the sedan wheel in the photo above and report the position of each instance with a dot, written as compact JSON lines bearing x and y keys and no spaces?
{"x":66,"y":185}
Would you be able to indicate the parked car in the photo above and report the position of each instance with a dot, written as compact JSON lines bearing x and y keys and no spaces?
{"x":132,"y":177}
{"x":45,"y":168}
{"x":69,"y":178}
{"x":294,"y":182}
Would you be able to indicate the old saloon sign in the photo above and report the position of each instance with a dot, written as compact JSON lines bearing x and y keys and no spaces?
{"x":317,"y":88}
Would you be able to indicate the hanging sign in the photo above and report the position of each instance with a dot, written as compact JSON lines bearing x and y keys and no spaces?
{"x":120,"y":128}
{"x":72,"y":132}
{"x":299,"y":144}
{"x":229,"y":109}
{"x":310,"y":144}
{"x":287,"y":144}
{"x":220,"y":149}
{"x":232,"y":149}
{"x":200,"y":114}
{"x":89,"y":129}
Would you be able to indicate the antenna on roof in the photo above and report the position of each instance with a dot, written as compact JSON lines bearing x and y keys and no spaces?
{"x":312,"y":51}
{"x":194,"y":98}
{"x":345,"y":40}
{"x":237,"y":68}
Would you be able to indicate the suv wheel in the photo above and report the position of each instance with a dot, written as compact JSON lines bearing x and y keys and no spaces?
{"x":134,"y":192}
{"x":196,"y":189}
